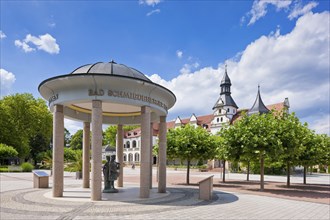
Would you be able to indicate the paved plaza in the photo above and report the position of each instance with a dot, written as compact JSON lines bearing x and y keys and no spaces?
{"x":19,"y":200}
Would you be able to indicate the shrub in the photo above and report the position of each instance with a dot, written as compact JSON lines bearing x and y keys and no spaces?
{"x":7,"y":151}
{"x":3,"y":169}
{"x":27,"y":167}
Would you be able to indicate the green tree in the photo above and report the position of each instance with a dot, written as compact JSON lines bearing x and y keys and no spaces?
{"x":67,"y":137}
{"x":24,"y":123}
{"x":69,"y":154}
{"x":188,"y":143}
{"x":77,"y":140}
{"x":109,"y":136}
{"x":7,"y":152}
{"x":291,"y":135}
{"x":252,"y":137}
{"x":237,"y":142}
{"x":47,"y":159}
{"x":221,"y":152}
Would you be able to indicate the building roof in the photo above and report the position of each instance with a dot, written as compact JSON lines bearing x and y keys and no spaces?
{"x":111,"y":68}
{"x":277,"y":107}
{"x":258,"y":106}
{"x":224,"y":100}
{"x":204,"y":120}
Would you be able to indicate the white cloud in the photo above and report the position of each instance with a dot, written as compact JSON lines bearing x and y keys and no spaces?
{"x":44,"y":42}
{"x":72,"y":126}
{"x":2,"y":35}
{"x":156,"y":11}
{"x":187,"y":68}
{"x":301,"y":10}
{"x":320,"y":124}
{"x":149,"y":2}
{"x":7,"y":80}
{"x":259,"y":8}
{"x":179,"y":54}
{"x":294,"y":65}
{"x":24,"y":46}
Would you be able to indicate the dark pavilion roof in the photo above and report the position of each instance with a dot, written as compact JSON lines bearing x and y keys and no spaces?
{"x":111,"y":68}
{"x":258,"y":106}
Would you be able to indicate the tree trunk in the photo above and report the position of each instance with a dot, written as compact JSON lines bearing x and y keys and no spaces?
{"x":248,"y":171}
{"x":305,"y":172}
{"x":224,"y":171}
{"x":188,"y":171}
{"x":288,"y":174}
{"x":262,"y":173}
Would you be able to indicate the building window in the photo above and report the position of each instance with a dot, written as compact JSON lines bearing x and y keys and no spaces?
{"x":124,"y":145}
{"x":134,"y":144}
{"x":217,"y":119}
{"x":221,"y":119}
{"x":130,"y":157}
{"x":137,"y":157}
{"x":227,"y":109}
{"x":233,"y":110}
{"x":128,"y":144}
{"x":125,"y":157}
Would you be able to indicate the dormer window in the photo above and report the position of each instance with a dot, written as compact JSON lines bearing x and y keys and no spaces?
{"x":135,"y":133}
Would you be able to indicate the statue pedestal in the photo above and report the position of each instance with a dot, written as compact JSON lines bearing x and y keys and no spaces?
{"x":110,"y":190}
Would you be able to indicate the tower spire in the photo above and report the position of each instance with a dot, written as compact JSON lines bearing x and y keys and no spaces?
{"x":258,"y":106}
{"x":225,"y":97}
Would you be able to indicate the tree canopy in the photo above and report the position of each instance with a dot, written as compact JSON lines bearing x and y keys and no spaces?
{"x":188,"y":143}
{"x":76,"y":141}
{"x":7,"y":152}
{"x":25,"y":124}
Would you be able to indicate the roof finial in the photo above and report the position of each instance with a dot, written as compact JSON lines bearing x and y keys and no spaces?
{"x":225,"y":67}
{"x":258,"y":87}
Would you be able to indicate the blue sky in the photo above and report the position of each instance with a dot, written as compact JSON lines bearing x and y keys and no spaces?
{"x":183,"y":45}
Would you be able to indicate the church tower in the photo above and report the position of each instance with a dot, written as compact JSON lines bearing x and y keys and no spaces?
{"x":225,"y":107}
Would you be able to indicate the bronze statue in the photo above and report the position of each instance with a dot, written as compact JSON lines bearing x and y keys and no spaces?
{"x":111,"y":173}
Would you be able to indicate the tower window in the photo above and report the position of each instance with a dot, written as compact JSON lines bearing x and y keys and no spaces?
{"x":221,"y":119}
{"x":227,"y":109}
{"x":217,"y":119}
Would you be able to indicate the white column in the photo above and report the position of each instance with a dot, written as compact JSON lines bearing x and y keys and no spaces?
{"x":145,"y":153}
{"x":58,"y":151}
{"x":119,"y":152}
{"x":86,"y":150}
{"x":151,"y":156}
{"x":96,"y":191}
{"x":162,"y":155}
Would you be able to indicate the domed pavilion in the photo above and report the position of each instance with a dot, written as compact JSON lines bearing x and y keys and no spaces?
{"x":107,"y":93}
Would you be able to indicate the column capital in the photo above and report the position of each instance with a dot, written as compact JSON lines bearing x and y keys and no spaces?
{"x":97,"y":104}
{"x":145,"y":109}
{"x":58,"y":108}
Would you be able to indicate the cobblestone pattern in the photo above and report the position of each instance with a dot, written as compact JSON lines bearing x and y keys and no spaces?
{"x":181,"y":203}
